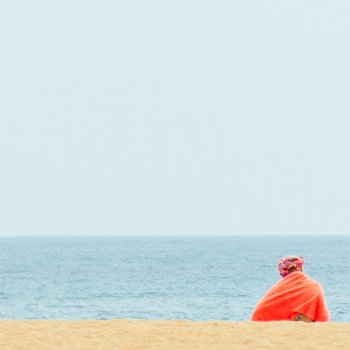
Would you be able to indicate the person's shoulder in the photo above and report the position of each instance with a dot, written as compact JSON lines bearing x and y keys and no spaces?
{"x":315,"y":284}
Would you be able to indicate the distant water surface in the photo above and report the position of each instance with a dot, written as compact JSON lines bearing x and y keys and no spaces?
{"x":197,"y":278}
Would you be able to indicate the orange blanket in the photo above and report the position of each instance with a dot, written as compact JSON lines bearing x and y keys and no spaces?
{"x":294,"y":294}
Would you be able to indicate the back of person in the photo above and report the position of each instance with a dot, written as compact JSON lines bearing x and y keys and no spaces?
{"x":295,"y":297}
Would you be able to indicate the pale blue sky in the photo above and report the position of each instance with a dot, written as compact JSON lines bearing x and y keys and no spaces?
{"x":174,"y":117}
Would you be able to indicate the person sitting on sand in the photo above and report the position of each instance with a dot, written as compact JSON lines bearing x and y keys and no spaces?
{"x":296,"y":297}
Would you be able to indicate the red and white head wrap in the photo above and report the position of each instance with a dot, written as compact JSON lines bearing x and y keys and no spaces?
{"x":290,"y":263}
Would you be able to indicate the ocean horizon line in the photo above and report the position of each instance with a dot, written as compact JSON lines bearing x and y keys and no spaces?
{"x":166,"y":236}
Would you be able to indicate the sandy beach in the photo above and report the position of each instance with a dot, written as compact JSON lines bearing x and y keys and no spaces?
{"x":135,"y":334}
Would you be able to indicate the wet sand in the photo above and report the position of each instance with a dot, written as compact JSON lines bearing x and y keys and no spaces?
{"x":145,"y":335}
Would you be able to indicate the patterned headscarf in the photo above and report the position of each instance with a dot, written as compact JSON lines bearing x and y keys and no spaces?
{"x":290,"y":262}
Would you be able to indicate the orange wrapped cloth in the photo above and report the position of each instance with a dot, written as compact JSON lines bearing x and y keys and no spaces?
{"x":294,"y":294}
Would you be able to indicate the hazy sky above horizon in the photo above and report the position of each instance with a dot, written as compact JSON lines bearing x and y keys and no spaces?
{"x":174,"y":117}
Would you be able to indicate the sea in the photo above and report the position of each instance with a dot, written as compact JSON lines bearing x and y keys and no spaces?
{"x":192,"y":278}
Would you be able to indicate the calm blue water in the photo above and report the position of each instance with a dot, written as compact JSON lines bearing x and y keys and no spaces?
{"x":198,"y":278}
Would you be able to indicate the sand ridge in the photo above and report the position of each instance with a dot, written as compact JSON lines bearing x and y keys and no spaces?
{"x":177,"y":334}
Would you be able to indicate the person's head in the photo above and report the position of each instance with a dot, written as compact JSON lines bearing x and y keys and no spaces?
{"x":290,"y":264}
